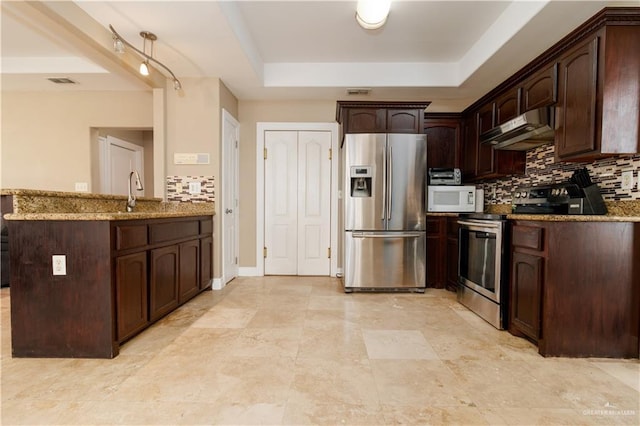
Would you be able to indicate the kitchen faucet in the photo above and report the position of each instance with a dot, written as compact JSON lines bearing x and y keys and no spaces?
{"x":131,"y":199}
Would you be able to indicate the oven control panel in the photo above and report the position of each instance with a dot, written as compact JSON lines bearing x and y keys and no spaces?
{"x":547,"y":199}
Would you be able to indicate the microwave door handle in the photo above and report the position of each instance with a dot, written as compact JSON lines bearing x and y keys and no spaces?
{"x":390,"y":190}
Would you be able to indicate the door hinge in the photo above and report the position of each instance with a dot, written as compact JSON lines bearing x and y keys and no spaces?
{"x":329,"y":252}
{"x":264,"y":252}
{"x":236,"y":143}
{"x":236,"y":260}
{"x":265,"y":153}
{"x":330,"y":153}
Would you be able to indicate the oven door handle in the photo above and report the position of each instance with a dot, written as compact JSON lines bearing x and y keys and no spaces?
{"x":485,"y":224}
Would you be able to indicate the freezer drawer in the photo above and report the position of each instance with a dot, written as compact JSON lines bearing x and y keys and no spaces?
{"x":385,"y":261}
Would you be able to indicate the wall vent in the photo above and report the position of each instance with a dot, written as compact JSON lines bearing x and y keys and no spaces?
{"x":358,"y":91}
{"x":61,"y":80}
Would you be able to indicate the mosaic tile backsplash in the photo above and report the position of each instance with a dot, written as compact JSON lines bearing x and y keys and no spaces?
{"x":541,"y":169}
{"x":178,"y":189}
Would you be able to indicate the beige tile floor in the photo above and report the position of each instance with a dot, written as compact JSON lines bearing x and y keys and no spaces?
{"x":293,"y":350}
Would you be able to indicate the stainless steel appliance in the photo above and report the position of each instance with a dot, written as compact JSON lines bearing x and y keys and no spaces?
{"x":526,"y":131}
{"x":445,"y":176}
{"x":460,"y":198}
{"x":483,"y":266}
{"x":579,"y":196}
{"x":384,"y":212}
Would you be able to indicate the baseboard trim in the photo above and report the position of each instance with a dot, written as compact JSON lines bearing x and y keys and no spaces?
{"x":249,"y":272}
{"x":217,"y":284}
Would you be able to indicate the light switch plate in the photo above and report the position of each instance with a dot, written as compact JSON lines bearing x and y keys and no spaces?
{"x":627,"y":179}
{"x":82,"y":186}
{"x":195,"y":188}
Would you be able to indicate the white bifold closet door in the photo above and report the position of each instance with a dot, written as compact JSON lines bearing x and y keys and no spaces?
{"x":297,"y":202}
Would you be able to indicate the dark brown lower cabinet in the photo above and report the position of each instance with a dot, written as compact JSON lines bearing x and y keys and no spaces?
{"x":452,"y":253}
{"x":163,"y":295}
{"x":575,"y":287}
{"x":131,"y":294}
{"x":526,"y":290}
{"x":206,"y":262}
{"x":121,"y":276}
{"x":436,"y":240}
{"x":189,"y":282}
{"x":442,"y":252}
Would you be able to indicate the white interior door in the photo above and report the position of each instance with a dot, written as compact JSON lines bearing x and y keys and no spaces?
{"x":297,"y":203}
{"x":230,"y":249}
{"x":117,"y":159}
{"x":314,"y":203}
{"x":281,"y":204}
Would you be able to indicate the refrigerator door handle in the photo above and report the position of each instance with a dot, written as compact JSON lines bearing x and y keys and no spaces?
{"x":389,"y":189}
{"x":387,"y":235}
{"x":384,"y":184}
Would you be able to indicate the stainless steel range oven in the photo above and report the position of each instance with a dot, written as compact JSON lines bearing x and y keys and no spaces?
{"x":483,"y":266}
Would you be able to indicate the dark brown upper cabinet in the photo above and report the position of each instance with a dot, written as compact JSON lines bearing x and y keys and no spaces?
{"x":444,"y":139}
{"x":598,"y":113}
{"x":381,"y":117}
{"x":541,"y":89}
{"x":507,"y":106}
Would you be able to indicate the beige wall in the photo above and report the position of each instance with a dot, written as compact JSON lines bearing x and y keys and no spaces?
{"x":194,"y":126}
{"x":251,"y":113}
{"x":46,"y":136}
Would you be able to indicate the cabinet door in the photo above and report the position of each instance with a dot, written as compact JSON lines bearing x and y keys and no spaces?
{"x":469,"y":148}
{"x":206,"y":262}
{"x":485,"y":120}
{"x":189,"y":281}
{"x":131,"y":295}
{"x":576,"y":112}
{"x":164,"y":281}
{"x":452,"y":253}
{"x":405,"y":120}
{"x":526,"y":290}
{"x":436,"y":251}
{"x":443,"y":142}
{"x":507,"y":106}
{"x":541,"y":89}
{"x":366,"y":120}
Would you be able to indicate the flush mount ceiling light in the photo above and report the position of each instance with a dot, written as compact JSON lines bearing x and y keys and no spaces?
{"x":118,"y":47}
{"x":372,"y":14}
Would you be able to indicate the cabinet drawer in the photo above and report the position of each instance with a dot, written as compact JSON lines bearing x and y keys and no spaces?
{"x":206,"y":226}
{"x":162,"y":232}
{"x":131,"y":236}
{"x":527,"y":237}
{"x":434,"y":225}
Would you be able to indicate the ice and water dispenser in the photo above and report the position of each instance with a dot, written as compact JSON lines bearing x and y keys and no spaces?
{"x":361,"y":181}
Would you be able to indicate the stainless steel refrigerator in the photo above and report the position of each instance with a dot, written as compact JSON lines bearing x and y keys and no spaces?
{"x":384,"y":195}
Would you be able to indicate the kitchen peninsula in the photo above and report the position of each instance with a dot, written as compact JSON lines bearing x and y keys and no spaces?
{"x":86,"y":275}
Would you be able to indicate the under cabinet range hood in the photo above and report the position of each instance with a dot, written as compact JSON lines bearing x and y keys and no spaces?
{"x":526,"y":131}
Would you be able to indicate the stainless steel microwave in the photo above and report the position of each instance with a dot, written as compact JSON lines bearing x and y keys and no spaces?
{"x":451,"y":198}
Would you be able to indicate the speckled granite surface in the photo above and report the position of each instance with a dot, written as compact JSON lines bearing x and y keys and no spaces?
{"x":31,"y":204}
{"x":618,"y":211}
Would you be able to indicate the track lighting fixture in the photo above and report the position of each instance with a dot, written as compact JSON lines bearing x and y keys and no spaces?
{"x":118,"y":46}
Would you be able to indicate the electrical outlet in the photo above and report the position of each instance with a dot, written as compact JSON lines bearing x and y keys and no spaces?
{"x":59,"y":262}
{"x":627,"y":179}
{"x":195,"y":188}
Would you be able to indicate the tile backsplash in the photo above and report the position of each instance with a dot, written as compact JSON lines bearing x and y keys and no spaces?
{"x":178,"y":189}
{"x":541,"y":169}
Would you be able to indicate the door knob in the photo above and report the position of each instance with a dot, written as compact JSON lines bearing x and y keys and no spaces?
{"x":227,"y":211}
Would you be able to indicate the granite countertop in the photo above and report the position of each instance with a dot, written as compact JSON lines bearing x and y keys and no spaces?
{"x":30,"y":204}
{"x":618,"y":211}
